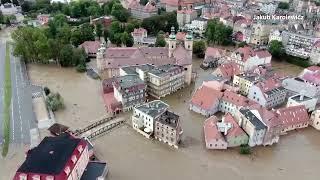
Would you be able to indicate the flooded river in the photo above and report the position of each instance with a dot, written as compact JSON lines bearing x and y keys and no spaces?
{"x":132,"y":157}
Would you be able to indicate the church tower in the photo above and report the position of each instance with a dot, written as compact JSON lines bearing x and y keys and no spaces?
{"x":101,"y":58}
{"x":172,"y":42}
{"x":188,"y":43}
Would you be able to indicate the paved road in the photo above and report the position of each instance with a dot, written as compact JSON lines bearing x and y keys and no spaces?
{"x":22,"y":115}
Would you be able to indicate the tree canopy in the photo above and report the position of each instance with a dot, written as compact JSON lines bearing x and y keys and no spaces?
{"x":158,"y":23}
{"x":199,"y":48}
{"x":218,"y":33}
{"x":276,"y":48}
{"x":283,"y":5}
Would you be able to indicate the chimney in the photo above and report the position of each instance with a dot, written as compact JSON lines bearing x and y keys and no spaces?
{"x":301,"y":97}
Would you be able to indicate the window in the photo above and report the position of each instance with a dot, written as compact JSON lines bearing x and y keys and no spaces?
{"x":74,"y":159}
{"x":67,"y":170}
{"x":49,"y":178}
{"x":35,"y":177}
{"x":80,"y":148}
{"x":23,"y":177}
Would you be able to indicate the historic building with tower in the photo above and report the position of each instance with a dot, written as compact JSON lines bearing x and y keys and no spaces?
{"x":110,"y":60}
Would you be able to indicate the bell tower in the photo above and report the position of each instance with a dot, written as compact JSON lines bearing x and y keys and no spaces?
{"x":188,"y":43}
{"x":172,"y":42}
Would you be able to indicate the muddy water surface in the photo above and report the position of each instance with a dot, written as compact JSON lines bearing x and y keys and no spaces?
{"x":132,"y":157}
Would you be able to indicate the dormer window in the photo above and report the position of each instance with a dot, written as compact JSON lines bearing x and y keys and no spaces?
{"x":36,"y":177}
{"x":23,"y":177}
{"x":80,"y":148}
{"x":49,"y":178}
{"x":67,"y":170}
{"x":74,"y":159}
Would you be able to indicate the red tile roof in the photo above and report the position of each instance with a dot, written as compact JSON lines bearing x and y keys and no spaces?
{"x":245,"y":52}
{"x":214,"y":52}
{"x":268,"y":117}
{"x":229,"y":69}
{"x":269,"y":84}
{"x":90,"y":46}
{"x":236,"y":99}
{"x":293,"y":115}
{"x":313,"y":68}
{"x":139,"y":32}
{"x":211,"y":131}
{"x":205,"y":97}
{"x":236,"y":130}
{"x":263,"y":54}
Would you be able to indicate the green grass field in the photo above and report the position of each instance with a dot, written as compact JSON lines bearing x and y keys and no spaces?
{"x":7,"y":102}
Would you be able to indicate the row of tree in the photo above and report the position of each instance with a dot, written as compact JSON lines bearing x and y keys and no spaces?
{"x":7,"y":19}
{"x":57,"y":42}
{"x":77,"y":9}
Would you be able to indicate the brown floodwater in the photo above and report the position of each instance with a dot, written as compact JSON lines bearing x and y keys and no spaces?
{"x":132,"y":157}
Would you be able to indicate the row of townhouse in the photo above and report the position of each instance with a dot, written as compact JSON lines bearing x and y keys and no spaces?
{"x":135,"y":82}
{"x":254,"y":125}
{"x":153,"y":119}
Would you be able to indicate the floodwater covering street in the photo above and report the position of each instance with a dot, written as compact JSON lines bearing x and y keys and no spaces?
{"x":132,"y":157}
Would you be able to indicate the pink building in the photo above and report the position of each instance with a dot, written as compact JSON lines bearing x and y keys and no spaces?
{"x":270,"y":119}
{"x":294,"y":117}
{"x":205,"y":100}
{"x":213,"y":137}
{"x":55,"y":158}
{"x":139,"y":34}
{"x":43,"y":19}
{"x":139,"y":11}
{"x":227,"y":70}
{"x":213,"y":57}
{"x":91,"y":48}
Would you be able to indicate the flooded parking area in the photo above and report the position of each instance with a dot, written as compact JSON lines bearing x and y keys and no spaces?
{"x":132,"y":157}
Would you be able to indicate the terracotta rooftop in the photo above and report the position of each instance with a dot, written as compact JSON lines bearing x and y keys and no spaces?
{"x":236,"y":99}
{"x":139,"y":32}
{"x":245,"y":52}
{"x":214,"y":52}
{"x":211,"y":131}
{"x":90,"y":46}
{"x":205,"y":97}
{"x":229,"y":69}
{"x":128,"y":56}
{"x":236,"y":130}
{"x":263,"y":54}
{"x":293,"y":115}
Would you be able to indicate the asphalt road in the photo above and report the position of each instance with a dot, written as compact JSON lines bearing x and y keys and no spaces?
{"x":22,"y":115}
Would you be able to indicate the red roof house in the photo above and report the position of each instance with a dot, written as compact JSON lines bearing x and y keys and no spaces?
{"x":293,"y":117}
{"x":213,"y":137}
{"x":205,"y":100}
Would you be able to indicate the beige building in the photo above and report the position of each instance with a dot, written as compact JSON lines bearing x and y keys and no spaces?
{"x":315,"y":119}
{"x":168,"y":129}
{"x":244,"y":82}
{"x":110,"y":60}
{"x":186,"y":16}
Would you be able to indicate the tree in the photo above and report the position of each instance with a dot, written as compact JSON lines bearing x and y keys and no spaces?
{"x":242,"y":44}
{"x":127,"y":39}
{"x":54,"y":101}
{"x":46,"y":90}
{"x":218,"y":33}
{"x":120,"y":13}
{"x":66,"y":55}
{"x":82,"y":34}
{"x":106,"y":34}
{"x":245,"y":149}
{"x":117,"y":39}
{"x":99,"y":30}
{"x":160,"y":22}
{"x":276,"y":48}
{"x":199,"y":48}
{"x":283,"y":5}
{"x":160,"y":41}
{"x":129,"y":28}
{"x":1,"y":18}
{"x":31,"y":44}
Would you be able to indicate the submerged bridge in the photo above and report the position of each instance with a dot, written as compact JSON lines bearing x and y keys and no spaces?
{"x":100,"y":127}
